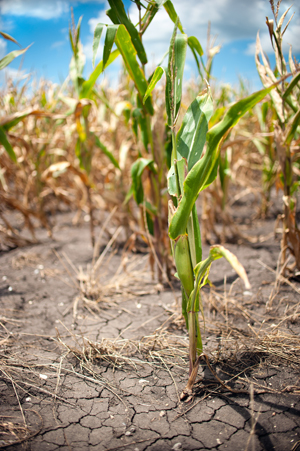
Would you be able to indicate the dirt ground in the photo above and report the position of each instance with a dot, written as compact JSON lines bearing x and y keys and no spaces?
{"x":100,"y":366}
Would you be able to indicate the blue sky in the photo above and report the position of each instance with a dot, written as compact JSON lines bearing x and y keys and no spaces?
{"x":234,"y":23}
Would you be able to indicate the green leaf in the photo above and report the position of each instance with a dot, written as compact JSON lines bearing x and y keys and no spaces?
{"x":180,"y":54}
{"x":192,"y":133}
{"x":11,"y":56}
{"x":6,"y":144}
{"x":89,"y":84}
{"x":200,"y":173}
{"x":195,"y":44}
{"x":195,"y":47}
{"x":149,"y":15}
{"x":96,"y":41}
{"x":177,"y":53}
{"x":118,"y":10}
{"x":169,"y":7}
{"x":291,"y":86}
{"x":109,"y":42}
{"x":137,"y":170}
{"x":128,"y":52}
{"x":84,"y":155}
{"x":292,"y":128}
{"x":78,"y":30}
{"x":154,"y":80}
{"x":105,"y":151}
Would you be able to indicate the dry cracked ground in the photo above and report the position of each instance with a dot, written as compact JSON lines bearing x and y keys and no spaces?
{"x":101,"y":367}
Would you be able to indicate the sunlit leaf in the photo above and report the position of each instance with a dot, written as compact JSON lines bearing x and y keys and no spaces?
{"x":7,"y":59}
{"x":119,"y":13}
{"x":96,"y":40}
{"x":109,"y":42}
{"x":89,"y":84}
{"x":200,"y":173}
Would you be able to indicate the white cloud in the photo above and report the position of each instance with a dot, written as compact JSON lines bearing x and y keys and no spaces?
{"x":42,"y":9}
{"x":58,"y":44}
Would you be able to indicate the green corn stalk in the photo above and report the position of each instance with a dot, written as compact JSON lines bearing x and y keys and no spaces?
{"x":151,"y":163}
{"x":194,"y":166}
{"x":285,"y":105}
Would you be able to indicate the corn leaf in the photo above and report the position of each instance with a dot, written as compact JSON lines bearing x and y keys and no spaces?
{"x":292,"y":128}
{"x":128,"y":52}
{"x":220,"y":251}
{"x":105,"y":151}
{"x":11,"y":56}
{"x":180,"y":54}
{"x":109,"y":42}
{"x":96,"y":40}
{"x":6,"y":144}
{"x":88,"y":85}
{"x":10,"y":121}
{"x":192,"y":133}
{"x":177,"y":54}
{"x":169,"y":7}
{"x":201,"y":173}
{"x":118,"y":12}
{"x":154,"y":80}
{"x":291,"y":86}
{"x":149,"y":15}
{"x":137,"y":170}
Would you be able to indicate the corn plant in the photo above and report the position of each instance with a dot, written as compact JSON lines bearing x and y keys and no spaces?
{"x":149,"y":169}
{"x":80,"y":106}
{"x":5,"y":61}
{"x":285,"y":101}
{"x":194,"y":166}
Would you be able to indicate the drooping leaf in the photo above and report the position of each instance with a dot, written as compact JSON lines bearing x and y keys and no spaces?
{"x":105,"y":151}
{"x":137,"y":170}
{"x":10,"y":121}
{"x":6,"y":144}
{"x":119,"y":12}
{"x":7,"y":59}
{"x":109,"y":42}
{"x":169,"y":7}
{"x":200,"y":173}
{"x":197,"y":51}
{"x":96,"y":40}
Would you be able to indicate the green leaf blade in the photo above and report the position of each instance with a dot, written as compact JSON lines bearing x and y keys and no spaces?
{"x":119,"y":14}
{"x":200,"y":173}
{"x":96,"y":40}
{"x":158,"y":73}
{"x":109,"y":42}
{"x":7,"y":59}
{"x":7,"y":146}
{"x":191,"y":137}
